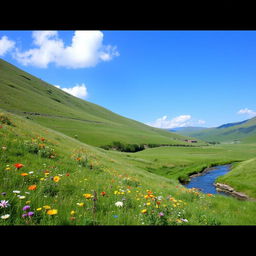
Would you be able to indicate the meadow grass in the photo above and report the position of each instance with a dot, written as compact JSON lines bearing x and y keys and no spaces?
{"x":66,"y":182}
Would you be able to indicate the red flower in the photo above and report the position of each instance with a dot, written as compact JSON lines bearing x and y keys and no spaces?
{"x":103,"y":193}
{"x":42,"y":139}
{"x":67,"y":174}
{"x":18,"y":166}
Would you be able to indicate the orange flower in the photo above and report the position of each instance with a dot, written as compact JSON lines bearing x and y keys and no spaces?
{"x":56,"y":178}
{"x":42,"y":139}
{"x":24,"y":174}
{"x":209,"y":194}
{"x":103,"y":193}
{"x":32,"y":187}
{"x":78,"y":159}
{"x":52,"y":212}
{"x":18,"y":165}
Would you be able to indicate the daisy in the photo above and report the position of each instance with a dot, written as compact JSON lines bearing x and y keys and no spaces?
{"x":4,"y":217}
{"x":119,"y":204}
{"x":4,"y":204}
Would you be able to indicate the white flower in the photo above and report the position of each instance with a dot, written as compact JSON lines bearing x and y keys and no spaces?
{"x":4,"y":204}
{"x":6,"y":216}
{"x":184,"y":220}
{"x":16,"y":191}
{"x":119,"y":204}
{"x":22,"y":197}
{"x":31,"y":172}
{"x":27,"y":193}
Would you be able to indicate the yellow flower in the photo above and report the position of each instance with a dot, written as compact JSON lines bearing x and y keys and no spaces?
{"x":39,"y":209}
{"x":174,"y":205}
{"x":88,"y":196}
{"x":7,"y":169}
{"x":144,"y":211}
{"x":72,"y":212}
{"x":47,"y":207}
{"x":52,"y":212}
{"x":28,"y":202}
{"x":56,"y":178}
{"x":80,"y":204}
{"x":42,"y":179}
{"x":148,"y":203}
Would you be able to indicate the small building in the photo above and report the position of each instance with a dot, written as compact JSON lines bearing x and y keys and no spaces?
{"x":191,"y":141}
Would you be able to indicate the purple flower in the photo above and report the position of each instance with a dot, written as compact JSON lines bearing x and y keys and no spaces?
{"x":26,"y":207}
{"x":161,"y":214}
{"x":24,"y":215}
{"x":30,"y":214}
{"x":4,"y":204}
{"x":115,"y":216}
{"x":3,"y":193}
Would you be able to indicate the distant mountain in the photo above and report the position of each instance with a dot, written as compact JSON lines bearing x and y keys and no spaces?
{"x":244,"y":131}
{"x":186,"y":129}
{"x":231,"y":124}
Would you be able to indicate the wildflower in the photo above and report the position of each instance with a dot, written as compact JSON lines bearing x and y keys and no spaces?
{"x":42,"y":139}
{"x":4,"y":148}
{"x":22,"y":197}
{"x":148,"y":203}
{"x":119,"y":204}
{"x":30,"y":214}
{"x":24,"y":215}
{"x":184,"y":220}
{"x":67,"y":174}
{"x":3,"y":193}
{"x":103,"y":193}
{"x":4,"y":204}
{"x":115,"y":216}
{"x":88,"y":196}
{"x":26,"y":207}
{"x":72,"y":212}
{"x":56,"y":178}
{"x":24,"y":174}
{"x":27,"y":192}
{"x":144,"y":211}
{"x":32,"y":187}
{"x":7,"y":168}
{"x":31,"y":172}
{"x":39,"y":209}
{"x":16,"y":191}
{"x":209,"y":194}
{"x":52,"y":212}
{"x":72,"y":218}
{"x":160,"y":214}
{"x":80,"y":204}
{"x":18,"y":165}
{"x":47,"y":207}
{"x":4,"y":217}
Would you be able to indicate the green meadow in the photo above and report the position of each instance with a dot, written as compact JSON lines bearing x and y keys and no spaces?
{"x":53,"y":170}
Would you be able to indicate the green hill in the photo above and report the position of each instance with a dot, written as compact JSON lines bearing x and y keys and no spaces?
{"x":244,"y":131}
{"x":26,"y":95}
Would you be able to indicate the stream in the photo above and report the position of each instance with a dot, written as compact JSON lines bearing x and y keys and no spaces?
{"x":204,"y":181}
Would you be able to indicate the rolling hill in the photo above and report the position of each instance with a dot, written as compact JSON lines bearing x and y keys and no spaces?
{"x":26,"y":95}
{"x":244,"y":131}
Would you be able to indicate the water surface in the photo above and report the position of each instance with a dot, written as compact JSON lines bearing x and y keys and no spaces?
{"x":205,"y":182}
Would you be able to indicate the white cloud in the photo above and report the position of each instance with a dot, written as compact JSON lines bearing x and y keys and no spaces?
{"x":201,"y":122}
{"x":179,"y":121}
{"x":86,"y":50}
{"x":247,"y":111}
{"x":5,"y":45}
{"x":79,"y":91}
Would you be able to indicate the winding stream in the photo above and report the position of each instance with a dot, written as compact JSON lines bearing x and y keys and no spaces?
{"x":204,"y":181}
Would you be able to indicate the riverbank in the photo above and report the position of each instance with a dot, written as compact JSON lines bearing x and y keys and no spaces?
{"x":231,"y":191}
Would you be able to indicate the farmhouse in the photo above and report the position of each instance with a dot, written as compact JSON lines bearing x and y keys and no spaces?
{"x":191,"y":141}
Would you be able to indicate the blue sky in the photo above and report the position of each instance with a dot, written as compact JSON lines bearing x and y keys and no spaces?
{"x":161,"y":78}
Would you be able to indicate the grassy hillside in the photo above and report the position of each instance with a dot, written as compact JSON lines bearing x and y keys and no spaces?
{"x":242,"y":177}
{"x":241,"y":132}
{"x":26,"y":95}
{"x":49,"y":178}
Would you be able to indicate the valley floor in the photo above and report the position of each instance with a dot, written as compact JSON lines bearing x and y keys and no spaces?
{"x":48,"y":178}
